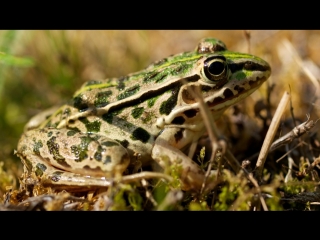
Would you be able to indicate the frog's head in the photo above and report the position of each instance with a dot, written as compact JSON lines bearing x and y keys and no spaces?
{"x":228,"y":77}
{"x":224,"y":78}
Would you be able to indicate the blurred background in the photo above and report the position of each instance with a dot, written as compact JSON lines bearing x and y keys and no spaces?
{"x":39,"y":69}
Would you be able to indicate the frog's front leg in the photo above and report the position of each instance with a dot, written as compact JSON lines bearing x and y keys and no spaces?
{"x":167,"y":148}
{"x":69,"y":158}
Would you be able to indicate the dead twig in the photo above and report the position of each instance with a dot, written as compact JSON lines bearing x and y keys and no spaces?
{"x":293,"y":134}
{"x":212,"y":132}
{"x":270,"y":135}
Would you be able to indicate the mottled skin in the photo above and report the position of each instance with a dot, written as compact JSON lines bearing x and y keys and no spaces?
{"x":145,"y":116}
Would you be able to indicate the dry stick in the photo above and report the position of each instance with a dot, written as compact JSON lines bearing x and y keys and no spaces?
{"x":212,"y":131}
{"x":293,"y":134}
{"x":290,"y":136}
{"x":270,"y":135}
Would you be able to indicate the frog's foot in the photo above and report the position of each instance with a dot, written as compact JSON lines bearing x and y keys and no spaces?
{"x":51,"y":177}
{"x":48,"y":176}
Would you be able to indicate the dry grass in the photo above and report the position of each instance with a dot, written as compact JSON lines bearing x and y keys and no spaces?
{"x":63,"y":60}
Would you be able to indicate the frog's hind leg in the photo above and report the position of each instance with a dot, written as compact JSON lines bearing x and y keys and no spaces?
{"x":59,"y":179}
{"x":68,"y":180}
{"x":36,"y":173}
{"x":46,"y":175}
{"x":69,"y":158}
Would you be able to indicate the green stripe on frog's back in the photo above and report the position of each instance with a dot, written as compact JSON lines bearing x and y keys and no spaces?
{"x":153,"y":92}
{"x":96,"y":84}
{"x":142,"y":85}
{"x":158,"y":72}
{"x":155,"y":80}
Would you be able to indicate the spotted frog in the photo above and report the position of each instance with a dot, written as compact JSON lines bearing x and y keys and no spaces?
{"x":147,"y":116}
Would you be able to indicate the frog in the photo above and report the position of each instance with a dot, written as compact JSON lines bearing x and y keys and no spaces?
{"x":149,"y":116}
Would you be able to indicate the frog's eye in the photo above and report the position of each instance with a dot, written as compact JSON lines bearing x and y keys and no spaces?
{"x":215,"y":69}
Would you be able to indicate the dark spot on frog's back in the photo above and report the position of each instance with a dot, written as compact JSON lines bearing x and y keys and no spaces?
{"x":80,"y":150}
{"x":80,"y":103}
{"x":141,"y":135}
{"x":137,"y":112}
{"x":93,"y":126}
{"x":150,"y":77}
{"x":54,"y":150}
{"x":108,"y":117}
{"x":102,"y":98}
{"x":129,"y":92}
{"x":170,"y":103}
{"x":37,"y":146}
{"x":40,"y":169}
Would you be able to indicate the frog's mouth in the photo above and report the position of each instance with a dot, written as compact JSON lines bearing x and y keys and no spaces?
{"x":233,"y":94}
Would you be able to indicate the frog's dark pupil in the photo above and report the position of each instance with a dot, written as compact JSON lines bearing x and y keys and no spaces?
{"x":216,"y":68}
